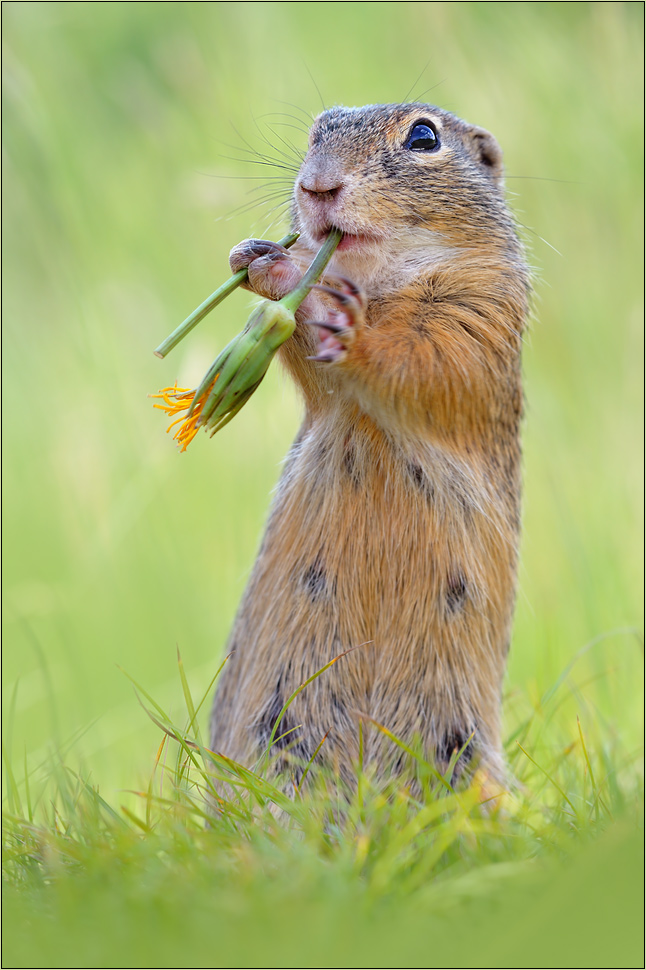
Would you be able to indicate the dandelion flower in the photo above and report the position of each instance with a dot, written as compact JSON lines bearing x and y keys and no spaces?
{"x":175,"y":401}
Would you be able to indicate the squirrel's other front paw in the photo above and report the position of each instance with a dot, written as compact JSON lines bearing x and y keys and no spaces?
{"x":271,"y":272}
{"x":338,"y":331}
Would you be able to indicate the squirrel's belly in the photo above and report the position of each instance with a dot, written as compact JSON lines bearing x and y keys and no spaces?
{"x":366,"y":553}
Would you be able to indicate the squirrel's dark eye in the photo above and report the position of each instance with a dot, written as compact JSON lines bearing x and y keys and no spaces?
{"x":423,"y":138}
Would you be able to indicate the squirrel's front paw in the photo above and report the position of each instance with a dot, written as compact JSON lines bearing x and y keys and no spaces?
{"x":338,"y":332}
{"x":272,"y":274}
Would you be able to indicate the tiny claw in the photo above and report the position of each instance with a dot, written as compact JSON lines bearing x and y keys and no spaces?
{"x":327,"y":325}
{"x":345,"y":287}
{"x":326,"y":356}
{"x":343,"y":298}
{"x":262,"y":247}
{"x":349,"y":287}
{"x":275,"y":257}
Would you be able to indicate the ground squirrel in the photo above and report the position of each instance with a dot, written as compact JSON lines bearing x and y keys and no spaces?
{"x":395,"y":524}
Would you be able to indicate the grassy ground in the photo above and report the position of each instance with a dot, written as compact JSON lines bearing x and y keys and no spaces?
{"x":124,"y":133}
{"x":387,"y":879}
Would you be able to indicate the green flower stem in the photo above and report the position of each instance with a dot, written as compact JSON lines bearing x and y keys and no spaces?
{"x":220,"y":294}
{"x":243,"y":363}
{"x":239,"y":369}
{"x":314,"y":272}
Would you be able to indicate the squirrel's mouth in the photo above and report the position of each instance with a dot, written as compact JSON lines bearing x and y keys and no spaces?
{"x":350,"y":241}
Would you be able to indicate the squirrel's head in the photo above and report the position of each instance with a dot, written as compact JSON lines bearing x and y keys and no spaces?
{"x":404,"y":183}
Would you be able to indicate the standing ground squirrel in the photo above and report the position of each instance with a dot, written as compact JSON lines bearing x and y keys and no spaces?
{"x":395,"y":524}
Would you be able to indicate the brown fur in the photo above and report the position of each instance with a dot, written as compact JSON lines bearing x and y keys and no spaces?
{"x":395,"y":523}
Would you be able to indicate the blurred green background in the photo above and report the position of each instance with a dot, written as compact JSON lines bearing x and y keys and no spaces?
{"x":126,"y":130}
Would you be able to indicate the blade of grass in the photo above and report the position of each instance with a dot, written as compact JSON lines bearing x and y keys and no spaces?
{"x":13,"y":796}
{"x":456,"y":755}
{"x":8,"y":731}
{"x":30,"y":813}
{"x":85,"y":787}
{"x":208,"y":690}
{"x":244,"y":776}
{"x":311,"y":761}
{"x":591,"y":772}
{"x":414,"y":755}
{"x":549,"y":778}
{"x":160,"y":751}
{"x":187,"y":697}
{"x":135,"y":819}
{"x":139,"y":688}
{"x":298,"y":690}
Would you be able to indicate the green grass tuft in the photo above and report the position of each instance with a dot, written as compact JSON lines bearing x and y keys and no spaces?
{"x":213,"y":864}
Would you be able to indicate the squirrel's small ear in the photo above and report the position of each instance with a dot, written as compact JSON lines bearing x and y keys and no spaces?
{"x":487,"y":151}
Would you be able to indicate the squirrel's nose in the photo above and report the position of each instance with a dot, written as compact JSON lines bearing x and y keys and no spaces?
{"x":321,"y":184}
